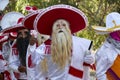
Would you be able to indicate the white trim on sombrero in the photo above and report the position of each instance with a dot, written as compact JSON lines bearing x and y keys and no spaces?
{"x":30,"y":14}
{"x":101,"y":30}
{"x":112,"y":24}
{"x":105,"y":30}
{"x":12,"y":27}
{"x":55,"y":7}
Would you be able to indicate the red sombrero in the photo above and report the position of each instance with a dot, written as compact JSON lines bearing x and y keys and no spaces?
{"x":44,"y":21}
{"x":29,"y":19}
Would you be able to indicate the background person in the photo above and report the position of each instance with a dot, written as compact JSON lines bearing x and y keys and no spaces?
{"x":108,"y":55}
{"x":62,"y":50}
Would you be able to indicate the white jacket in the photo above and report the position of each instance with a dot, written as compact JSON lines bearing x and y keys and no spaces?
{"x":80,"y":45}
{"x":14,"y":63}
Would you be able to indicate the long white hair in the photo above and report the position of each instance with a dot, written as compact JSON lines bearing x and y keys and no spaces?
{"x":61,"y":44}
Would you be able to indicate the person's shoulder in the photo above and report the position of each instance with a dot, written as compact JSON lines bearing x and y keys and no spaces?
{"x":106,"y":48}
{"x":81,"y":39}
{"x":83,"y":42}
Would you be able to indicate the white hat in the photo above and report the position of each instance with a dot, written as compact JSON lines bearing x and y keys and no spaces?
{"x":112,"y":24}
{"x":45,"y":19}
{"x":3,"y":4}
{"x":10,"y":19}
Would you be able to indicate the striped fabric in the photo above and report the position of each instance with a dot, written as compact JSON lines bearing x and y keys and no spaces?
{"x":114,"y":72}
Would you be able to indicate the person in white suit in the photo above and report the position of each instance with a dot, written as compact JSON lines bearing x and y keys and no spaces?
{"x":38,"y":39}
{"x":4,"y":74}
{"x":108,"y":55}
{"x":62,"y":56}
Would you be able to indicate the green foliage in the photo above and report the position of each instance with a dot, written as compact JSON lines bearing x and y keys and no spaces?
{"x":90,"y":34}
{"x":95,"y":10}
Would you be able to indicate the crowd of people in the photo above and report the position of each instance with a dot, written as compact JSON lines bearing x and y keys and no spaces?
{"x":43,"y":46}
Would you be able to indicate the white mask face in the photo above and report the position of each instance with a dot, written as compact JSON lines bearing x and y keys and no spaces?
{"x":61,"y":43}
{"x":60,"y":26}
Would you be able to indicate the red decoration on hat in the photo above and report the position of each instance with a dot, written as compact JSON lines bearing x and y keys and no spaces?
{"x":20,"y":20}
{"x":44,"y":21}
{"x":13,"y":35}
{"x":34,"y":8}
{"x":27,"y":8}
{"x":30,"y":8}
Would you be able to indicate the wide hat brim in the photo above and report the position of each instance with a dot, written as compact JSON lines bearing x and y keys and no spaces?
{"x":44,"y":21}
{"x":104,"y":30}
{"x":13,"y":35}
{"x":13,"y":28}
{"x":29,"y":19}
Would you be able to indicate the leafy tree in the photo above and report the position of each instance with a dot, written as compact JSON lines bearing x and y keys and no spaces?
{"x":95,"y":10}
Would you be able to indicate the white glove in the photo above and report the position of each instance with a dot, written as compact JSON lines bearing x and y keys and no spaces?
{"x":89,"y":58}
{"x":41,"y":49}
{"x":39,"y":54}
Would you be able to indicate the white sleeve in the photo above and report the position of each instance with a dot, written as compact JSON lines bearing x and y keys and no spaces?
{"x":31,"y":73}
{"x":4,"y":48}
{"x":2,"y":65}
{"x":101,"y":66}
{"x":86,"y":74}
{"x":32,"y":48}
{"x":13,"y":62}
{"x":38,"y":54}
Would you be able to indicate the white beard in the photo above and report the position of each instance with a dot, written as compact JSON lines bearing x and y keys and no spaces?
{"x":61,"y":48}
